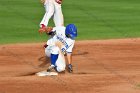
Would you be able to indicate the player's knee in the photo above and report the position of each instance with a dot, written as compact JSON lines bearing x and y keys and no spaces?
{"x":47,"y":52}
{"x":50,"y":13}
{"x":60,"y":69}
{"x":55,"y":50}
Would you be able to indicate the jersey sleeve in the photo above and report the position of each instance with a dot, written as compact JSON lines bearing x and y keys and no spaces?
{"x":69,"y":50}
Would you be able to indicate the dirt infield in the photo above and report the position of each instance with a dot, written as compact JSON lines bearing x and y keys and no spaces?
{"x":100,"y":66}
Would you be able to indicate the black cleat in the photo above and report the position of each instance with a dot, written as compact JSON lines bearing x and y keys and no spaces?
{"x":70,"y":68}
{"x":50,"y":68}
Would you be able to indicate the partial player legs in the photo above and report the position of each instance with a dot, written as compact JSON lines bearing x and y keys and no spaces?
{"x":57,"y":63}
{"x":60,"y":63}
{"x":49,"y":7}
{"x":57,"y":60}
{"x":58,"y":15}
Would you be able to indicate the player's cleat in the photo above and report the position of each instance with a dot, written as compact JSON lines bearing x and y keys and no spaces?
{"x":70,"y":68}
{"x":59,"y":1}
{"x":45,"y":73}
{"x":50,"y":68}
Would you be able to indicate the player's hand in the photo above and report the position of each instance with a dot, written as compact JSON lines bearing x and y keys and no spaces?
{"x":45,"y":29}
{"x":59,"y":1}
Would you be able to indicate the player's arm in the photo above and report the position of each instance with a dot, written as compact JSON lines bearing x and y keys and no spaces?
{"x":69,"y":58}
{"x":48,"y":30}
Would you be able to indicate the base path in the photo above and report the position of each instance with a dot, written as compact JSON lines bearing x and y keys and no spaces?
{"x":100,"y":66}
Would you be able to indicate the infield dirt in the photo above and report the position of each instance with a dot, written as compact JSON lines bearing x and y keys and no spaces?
{"x":100,"y":66}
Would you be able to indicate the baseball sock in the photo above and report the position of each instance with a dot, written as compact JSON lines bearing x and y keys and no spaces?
{"x":42,"y":25}
{"x":54,"y":58}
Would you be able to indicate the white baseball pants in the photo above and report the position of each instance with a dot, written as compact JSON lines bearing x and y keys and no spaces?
{"x":60,"y":62}
{"x":53,"y":9}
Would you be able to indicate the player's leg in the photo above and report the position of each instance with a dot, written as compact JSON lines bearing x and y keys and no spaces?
{"x":58,"y":15}
{"x":47,"y":51}
{"x":53,"y":57}
{"x":60,"y":63}
{"x":57,"y":59}
{"x":49,"y":7}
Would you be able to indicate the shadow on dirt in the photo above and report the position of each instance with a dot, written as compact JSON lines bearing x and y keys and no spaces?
{"x":77,"y":53}
{"x":45,"y":61}
{"x":28,"y":74}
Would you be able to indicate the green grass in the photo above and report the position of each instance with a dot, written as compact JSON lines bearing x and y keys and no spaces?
{"x":95,"y":19}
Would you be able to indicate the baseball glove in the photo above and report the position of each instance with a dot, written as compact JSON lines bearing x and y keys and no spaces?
{"x":47,"y":30}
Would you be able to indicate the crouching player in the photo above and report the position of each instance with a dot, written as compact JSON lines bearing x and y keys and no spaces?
{"x":61,"y":42}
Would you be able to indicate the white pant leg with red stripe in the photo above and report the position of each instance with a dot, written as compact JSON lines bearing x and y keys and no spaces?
{"x":58,"y":15}
{"x":49,"y":8}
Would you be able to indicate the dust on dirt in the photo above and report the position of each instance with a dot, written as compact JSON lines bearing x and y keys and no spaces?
{"x":100,"y":66}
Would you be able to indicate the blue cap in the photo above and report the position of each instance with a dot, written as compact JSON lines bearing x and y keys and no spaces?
{"x":71,"y":31}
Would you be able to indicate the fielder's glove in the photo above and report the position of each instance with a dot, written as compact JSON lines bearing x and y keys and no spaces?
{"x":70,"y":68}
{"x":45,"y":29}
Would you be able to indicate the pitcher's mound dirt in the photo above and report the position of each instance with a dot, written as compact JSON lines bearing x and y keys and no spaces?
{"x":100,"y":66}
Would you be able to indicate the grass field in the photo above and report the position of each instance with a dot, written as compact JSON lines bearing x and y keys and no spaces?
{"x":95,"y":19}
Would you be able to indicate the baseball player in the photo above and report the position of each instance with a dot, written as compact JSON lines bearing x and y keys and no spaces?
{"x":53,"y":9}
{"x":61,"y":42}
